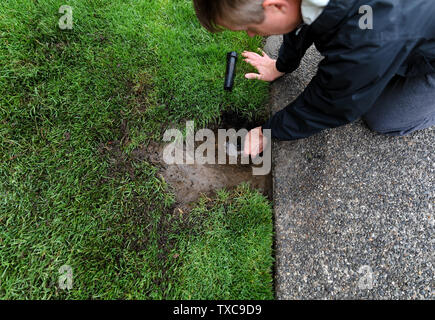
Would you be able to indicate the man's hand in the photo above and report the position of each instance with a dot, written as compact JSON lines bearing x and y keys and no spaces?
{"x":254,"y":142}
{"x":265,"y":65}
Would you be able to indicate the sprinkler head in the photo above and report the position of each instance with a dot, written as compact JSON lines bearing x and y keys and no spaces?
{"x":231,"y":70}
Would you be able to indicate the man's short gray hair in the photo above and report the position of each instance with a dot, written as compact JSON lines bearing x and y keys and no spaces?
{"x":234,"y":12}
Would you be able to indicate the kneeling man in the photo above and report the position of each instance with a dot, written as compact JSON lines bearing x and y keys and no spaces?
{"x":379,"y":61}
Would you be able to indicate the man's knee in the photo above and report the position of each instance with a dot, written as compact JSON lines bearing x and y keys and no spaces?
{"x":406,"y":105}
{"x":381,"y":127}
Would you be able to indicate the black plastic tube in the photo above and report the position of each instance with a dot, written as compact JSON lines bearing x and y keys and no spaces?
{"x":231,"y":70}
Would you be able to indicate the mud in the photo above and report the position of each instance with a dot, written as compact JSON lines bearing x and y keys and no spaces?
{"x":190,"y":181}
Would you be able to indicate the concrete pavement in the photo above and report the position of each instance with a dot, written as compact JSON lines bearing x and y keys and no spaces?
{"x":354,"y":210}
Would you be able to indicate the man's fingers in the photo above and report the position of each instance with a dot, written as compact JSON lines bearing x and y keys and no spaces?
{"x":250,"y":55}
{"x":257,"y":147}
{"x":253,"y":76}
{"x":246,"y":150}
{"x":263,"y":53}
{"x":252,"y":63}
{"x":253,"y":143}
{"x":249,"y":145}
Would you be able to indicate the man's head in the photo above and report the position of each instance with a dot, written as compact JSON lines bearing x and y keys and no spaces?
{"x":256,"y":17}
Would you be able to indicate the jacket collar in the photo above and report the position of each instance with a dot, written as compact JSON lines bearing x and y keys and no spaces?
{"x":311,"y":9}
{"x":334,"y":13}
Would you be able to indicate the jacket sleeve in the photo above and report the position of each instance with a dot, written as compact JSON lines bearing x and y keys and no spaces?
{"x":292,"y":50}
{"x":348,"y":82}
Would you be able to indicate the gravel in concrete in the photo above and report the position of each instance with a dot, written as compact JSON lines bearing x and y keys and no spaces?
{"x":354,"y":210}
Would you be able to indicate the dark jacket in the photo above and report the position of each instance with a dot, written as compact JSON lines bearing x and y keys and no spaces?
{"x":358,"y":64}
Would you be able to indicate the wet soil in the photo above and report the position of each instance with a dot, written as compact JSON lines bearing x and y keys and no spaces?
{"x":188,"y":182}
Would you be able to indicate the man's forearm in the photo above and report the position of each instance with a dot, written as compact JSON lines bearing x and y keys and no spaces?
{"x":292,"y":50}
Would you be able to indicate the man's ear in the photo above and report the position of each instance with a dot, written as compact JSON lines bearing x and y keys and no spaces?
{"x":279,"y":4}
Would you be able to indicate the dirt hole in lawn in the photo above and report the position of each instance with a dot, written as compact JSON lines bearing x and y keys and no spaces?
{"x":189,"y":181}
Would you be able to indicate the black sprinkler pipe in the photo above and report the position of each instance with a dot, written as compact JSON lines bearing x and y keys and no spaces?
{"x":231,"y":70}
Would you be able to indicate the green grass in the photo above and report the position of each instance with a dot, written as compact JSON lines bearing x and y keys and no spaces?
{"x":229,"y":257}
{"x":73,"y":105}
